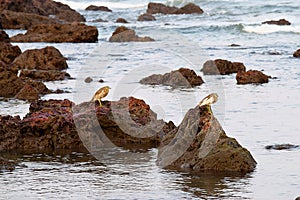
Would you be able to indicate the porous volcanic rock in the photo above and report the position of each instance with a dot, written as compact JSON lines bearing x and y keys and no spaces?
{"x":222,"y":67}
{"x":200,"y":144}
{"x":8,"y":52}
{"x":21,"y":20}
{"x":45,"y":7}
{"x":154,"y":8}
{"x":98,"y":8}
{"x":280,"y":22}
{"x":182,"y":77}
{"x":296,"y":54}
{"x":58,"y":33}
{"x":251,"y":76}
{"x":4,"y":37}
{"x":123,"y":34}
{"x":146,"y":17}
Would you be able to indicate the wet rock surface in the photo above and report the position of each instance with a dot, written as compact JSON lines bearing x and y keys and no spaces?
{"x":123,"y":34}
{"x":45,"y":8}
{"x":7,"y":165}
{"x":222,"y":67}
{"x":98,"y":8}
{"x":297,"y":53}
{"x":121,"y":20}
{"x":58,"y":33}
{"x":280,"y":22}
{"x":200,"y":144}
{"x":282,"y":147}
{"x":251,"y":76}
{"x":179,"y":78}
{"x":154,"y":8}
{"x":146,"y":17}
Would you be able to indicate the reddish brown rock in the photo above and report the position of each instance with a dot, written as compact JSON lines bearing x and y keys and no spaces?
{"x":8,"y":52}
{"x":21,"y":20}
{"x":57,"y":33}
{"x":45,"y":75}
{"x":282,"y":147}
{"x":3,"y":36}
{"x":9,"y":132}
{"x":222,"y":67}
{"x":280,"y":22}
{"x":154,"y":8}
{"x":121,"y":20}
{"x":123,"y":34}
{"x":48,"y":58}
{"x":201,"y":144}
{"x":27,"y":93}
{"x":7,"y":165}
{"x":46,"y":8}
{"x":179,"y":78}
{"x":146,"y":17}
{"x":296,"y":54}
{"x":251,"y":76}
{"x":98,"y":8}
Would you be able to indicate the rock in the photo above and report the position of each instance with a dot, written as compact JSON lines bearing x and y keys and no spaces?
{"x":251,"y":76}
{"x":298,"y":198}
{"x":88,"y":80}
{"x":9,"y":132}
{"x":46,"y":8}
{"x":200,"y":144}
{"x":7,"y":165}
{"x":297,"y":53}
{"x":57,"y":33}
{"x":45,"y":75}
{"x":154,"y":8}
{"x":222,"y":67}
{"x":98,"y":8}
{"x":4,"y":37}
{"x":22,"y":20}
{"x":121,"y":20}
{"x":101,"y":80}
{"x":27,"y":93}
{"x":282,"y":147}
{"x":100,"y":20}
{"x":123,"y":34}
{"x":48,"y":58}
{"x":280,"y":22}
{"x":8,"y":52}
{"x":146,"y":17}
{"x":179,"y":78}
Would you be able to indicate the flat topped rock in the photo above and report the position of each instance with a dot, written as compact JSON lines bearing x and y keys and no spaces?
{"x":222,"y":67}
{"x":251,"y":77}
{"x":98,"y":8}
{"x":124,"y":34}
{"x":182,"y":77}
{"x":280,"y":22}
{"x":154,"y":8}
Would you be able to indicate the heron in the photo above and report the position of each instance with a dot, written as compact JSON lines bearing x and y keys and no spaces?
{"x":101,"y":93}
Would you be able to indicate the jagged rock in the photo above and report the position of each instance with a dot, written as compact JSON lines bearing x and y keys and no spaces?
{"x":4,"y":37}
{"x":45,"y":75}
{"x":282,"y":146}
{"x":27,"y":93}
{"x":121,"y":20}
{"x":48,"y":58}
{"x":297,"y":53}
{"x":57,"y":33}
{"x":8,"y":52}
{"x":251,"y":76}
{"x":146,"y":17}
{"x":98,"y":8}
{"x":222,"y":67}
{"x":21,"y":20}
{"x":154,"y":8}
{"x":9,"y":132}
{"x":200,"y":144}
{"x":179,"y":78}
{"x":280,"y":22}
{"x":123,"y":34}
{"x":46,"y":8}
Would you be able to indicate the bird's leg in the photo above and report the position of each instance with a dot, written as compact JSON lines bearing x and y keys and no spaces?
{"x":209,"y":109}
{"x":100,"y":102}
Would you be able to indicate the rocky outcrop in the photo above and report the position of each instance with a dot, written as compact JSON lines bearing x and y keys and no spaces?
{"x":8,"y":52}
{"x":123,"y":34}
{"x":222,"y":67}
{"x":282,"y":147}
{"x":296,"y":54}
{"x":121,"y":20}
{"x":45,"y":8}
{"x":146,"y":17}
{"x":45,"y":75}
{"x":179,"y":78}
{"x":200,"y":144}
{"x":4,"y":37}
{"x":57,"y":33}
{"x":251,"y":76}
{"x":280,"y":22}
{"x":154,"y":8}
{"x":21,"y":20}
{"x":98,"y":8}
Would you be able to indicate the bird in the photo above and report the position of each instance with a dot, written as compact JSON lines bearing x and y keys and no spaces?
{"x":208,"y":100}
{"x":101,"y":93}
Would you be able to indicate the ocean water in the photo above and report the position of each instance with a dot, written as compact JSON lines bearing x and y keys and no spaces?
{"x":256,"y":115}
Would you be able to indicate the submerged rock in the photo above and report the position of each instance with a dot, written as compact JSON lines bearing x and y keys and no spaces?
{"x":58,"y":33}
{"x":280,"y":22}
{"x":146,"y":17}
{"x":282,"y":146}
{"x":179,"y":78}
{"x":222,"y":67}
{"x":297,"y":53}
{"x":121,"y":20}
{"x":7,"y":165}
{"x":154,"y":8}
{"x":123,"y":34}
{"x":251,"y":76}
{"x":200,"y":144}
{"x":98,"y":8}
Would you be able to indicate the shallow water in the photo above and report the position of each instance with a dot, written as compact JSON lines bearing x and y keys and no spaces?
{"x":256,"y":115}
